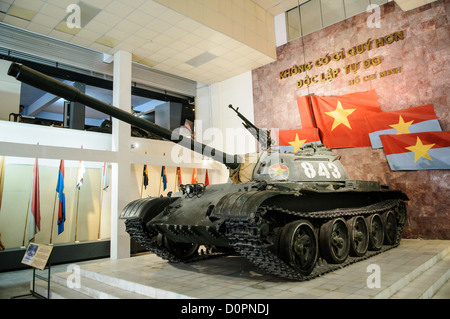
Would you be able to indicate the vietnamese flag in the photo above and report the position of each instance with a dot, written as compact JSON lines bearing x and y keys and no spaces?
{"x":417,"y":151}
{"x":292,"y":141}
{"x":412,"y":120}
{"x":341,"y":119}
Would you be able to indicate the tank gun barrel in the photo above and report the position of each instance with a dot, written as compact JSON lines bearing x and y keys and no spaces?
{"x":263,"y":136}
{"x":58,"y":88}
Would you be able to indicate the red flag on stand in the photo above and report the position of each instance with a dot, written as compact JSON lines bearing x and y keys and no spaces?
{"x":206,"y":178}
{"x":180,"y":182}
{"x":33,"y":224}
{"x":194,"y":177}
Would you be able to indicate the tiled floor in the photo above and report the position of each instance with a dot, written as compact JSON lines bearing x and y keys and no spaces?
{"x":233,"y":277}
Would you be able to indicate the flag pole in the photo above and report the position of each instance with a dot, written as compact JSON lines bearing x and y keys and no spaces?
{"x":160,"y":181}
{"x":26,"y":223}
{"x":79,"y":184}
{"x":176,"y":180}
{"x":28,"y":211}
{"x":142,"y":184}
{"x":53,"y":218}
{"x":101,"y":200}
{"x":76,"y":216}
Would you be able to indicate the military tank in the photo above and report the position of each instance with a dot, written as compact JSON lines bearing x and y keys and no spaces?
{"x":295,"y":216}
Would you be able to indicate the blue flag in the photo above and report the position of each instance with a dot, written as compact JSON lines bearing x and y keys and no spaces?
{"x":164,"y":177}
{"x":62,"y":198}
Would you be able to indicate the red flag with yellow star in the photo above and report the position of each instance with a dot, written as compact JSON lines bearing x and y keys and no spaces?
{"x":291,"y":141}
{"x":417,"y":151}
{"x":342,"y":119}
{"x":412,"y":120}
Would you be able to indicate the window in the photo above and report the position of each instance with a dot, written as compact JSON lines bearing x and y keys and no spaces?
{"x":332,"y":11}
{"x":293,"y":24}
{"x":311,"y":17}
{"x":317,"y":14}
{"x":354,"y":7}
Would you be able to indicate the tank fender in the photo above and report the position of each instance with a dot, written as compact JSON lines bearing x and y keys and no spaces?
{"x":241,"y":204}
{"x":147,"y":208}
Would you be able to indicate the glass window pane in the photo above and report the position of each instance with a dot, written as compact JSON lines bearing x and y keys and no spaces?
{"x":311,"y":17}
{"x":332,"y":12}
{"x":354,"y":7}
{"x":293,"y":24}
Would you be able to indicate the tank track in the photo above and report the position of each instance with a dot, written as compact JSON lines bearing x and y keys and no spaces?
{"x":135,"y":228}
{"x":244,"y":237}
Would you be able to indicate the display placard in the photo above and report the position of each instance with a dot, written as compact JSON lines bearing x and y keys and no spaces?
{"x":37,"y":255}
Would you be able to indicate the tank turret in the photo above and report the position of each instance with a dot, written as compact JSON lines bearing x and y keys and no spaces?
{"x":295,"y":216}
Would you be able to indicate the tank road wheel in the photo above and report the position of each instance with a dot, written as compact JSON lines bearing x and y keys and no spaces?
{"x":184,"y":251}
{"x":390,"y":225}
{"x":376,"y":231}
{"x":334,"y":241}
{"x":298,"y":246}
{"x":359,"y":236}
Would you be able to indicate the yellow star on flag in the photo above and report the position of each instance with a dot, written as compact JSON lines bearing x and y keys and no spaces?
{"x":401,"y":126}
{"x":298,"y":143}
{"x":340,"y":116}
{"x":420,"y":150}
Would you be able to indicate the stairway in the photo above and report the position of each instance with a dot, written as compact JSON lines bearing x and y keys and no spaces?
{"x":426,"y":282}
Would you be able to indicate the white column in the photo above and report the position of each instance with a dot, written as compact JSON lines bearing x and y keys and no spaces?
{"x":121,"y":141}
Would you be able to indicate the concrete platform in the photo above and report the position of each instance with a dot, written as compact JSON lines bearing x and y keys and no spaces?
{"x":415,"y":269}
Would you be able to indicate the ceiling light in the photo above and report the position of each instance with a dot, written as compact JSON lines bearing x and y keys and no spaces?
{"x":107,"y":41}
{"x":21,"y":13}
{"x":201,"y":59}
{"x":147,"y":62}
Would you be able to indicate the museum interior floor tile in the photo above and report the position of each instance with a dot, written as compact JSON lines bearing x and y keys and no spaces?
{"x":416,"y":269}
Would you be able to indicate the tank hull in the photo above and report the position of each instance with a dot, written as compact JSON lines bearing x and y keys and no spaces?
{"x":258,"y":220}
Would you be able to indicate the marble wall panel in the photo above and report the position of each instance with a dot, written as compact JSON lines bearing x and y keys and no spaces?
{"x":422,"y":55}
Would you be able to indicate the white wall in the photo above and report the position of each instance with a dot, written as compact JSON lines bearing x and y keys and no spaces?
{"x":219,"y":126}
{"x":9,"y":92}
{"x":280,"y":29}
{"x":213,"y":112}
{"x":18,"y":142}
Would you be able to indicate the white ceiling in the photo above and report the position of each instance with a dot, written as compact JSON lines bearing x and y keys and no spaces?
{"x":157,"y":36}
